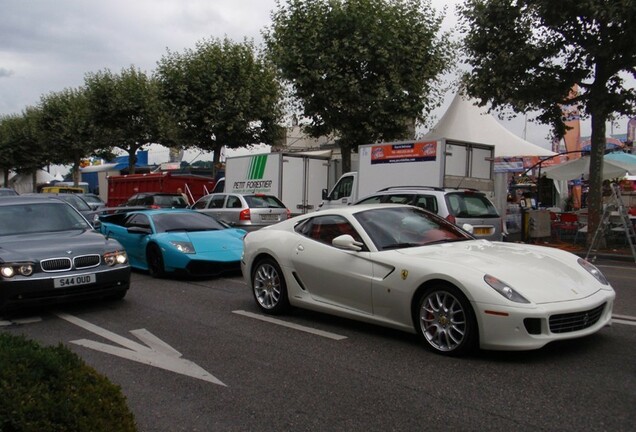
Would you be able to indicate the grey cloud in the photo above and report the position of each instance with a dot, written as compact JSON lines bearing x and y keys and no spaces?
{"x":4,"y":73}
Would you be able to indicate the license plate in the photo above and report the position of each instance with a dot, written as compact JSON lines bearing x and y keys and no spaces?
{"x":482,"y":231}
{"x":64,"y":282}
{"x":269,"y":217}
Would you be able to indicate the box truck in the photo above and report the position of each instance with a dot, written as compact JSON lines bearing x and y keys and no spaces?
{"x":437,"y":163}
{"x":297,"y":179}
{"x":122,"y":187}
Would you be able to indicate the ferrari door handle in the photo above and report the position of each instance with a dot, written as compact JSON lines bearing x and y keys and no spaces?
{"x":299,"y":248}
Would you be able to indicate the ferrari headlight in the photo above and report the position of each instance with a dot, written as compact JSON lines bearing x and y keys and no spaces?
{"x":184,"y":247}
{"x":505,"y":290}
{"x":117,"y":257}
{"x":591,"y":268}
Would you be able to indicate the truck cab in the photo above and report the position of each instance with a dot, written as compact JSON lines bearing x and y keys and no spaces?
{"x":342,"y":194}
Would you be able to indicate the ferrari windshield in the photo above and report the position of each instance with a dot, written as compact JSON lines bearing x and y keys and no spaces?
{"x":40,"y":217}
{"x":400,"y":227}
{"x":186,"y":221}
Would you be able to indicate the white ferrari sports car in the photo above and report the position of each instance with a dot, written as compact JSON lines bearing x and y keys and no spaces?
{"x":405,"y":268}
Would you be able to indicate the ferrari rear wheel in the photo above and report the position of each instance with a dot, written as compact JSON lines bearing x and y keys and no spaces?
{"x":155,"y":261}
{"x":269,"y":287}
{"x":445,"y":321}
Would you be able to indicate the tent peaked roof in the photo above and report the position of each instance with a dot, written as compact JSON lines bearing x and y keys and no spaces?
{"x":465,"y":121}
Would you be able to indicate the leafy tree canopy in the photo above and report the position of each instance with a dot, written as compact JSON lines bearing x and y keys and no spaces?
{"x":363,"y":70}
{"x":66,"y":122}
{"x":126,"y":110}
{"x":528,"y":54}
{"x":221,"y":94}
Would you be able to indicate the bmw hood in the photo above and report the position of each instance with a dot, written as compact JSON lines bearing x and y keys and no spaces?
{"x":541,"y":274}
{"x":37,"y":246}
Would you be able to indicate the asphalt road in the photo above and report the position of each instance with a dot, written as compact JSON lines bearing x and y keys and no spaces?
{"x":225,"y":369}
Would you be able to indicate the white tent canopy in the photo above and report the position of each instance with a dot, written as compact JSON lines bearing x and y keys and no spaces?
{"x":465,"y":121}
{"x":581,"y":168}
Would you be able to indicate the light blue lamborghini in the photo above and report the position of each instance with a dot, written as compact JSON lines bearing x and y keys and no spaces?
{"x":175,"y":241}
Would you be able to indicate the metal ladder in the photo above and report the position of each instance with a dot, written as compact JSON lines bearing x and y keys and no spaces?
{"x":616,"y":204}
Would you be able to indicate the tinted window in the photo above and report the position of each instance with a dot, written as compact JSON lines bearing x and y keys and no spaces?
{"x":217,"y":201}
{"x":470,"y":205}
{"x":263,"y":201}
{"x":392,"y":228}
{"x":326,"y":228}
{"x":75,"y":201}
{"x":202,"y":203}
{"x":180,"y":221}
{"x":170,"y":201}
{"x":35,"y":218}
{"x":233,"y":202}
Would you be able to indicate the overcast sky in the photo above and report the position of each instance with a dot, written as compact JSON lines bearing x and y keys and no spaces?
{"x":49,"y":45}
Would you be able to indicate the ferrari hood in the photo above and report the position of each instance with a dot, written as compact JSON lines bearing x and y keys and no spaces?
{"x":540,"y":274}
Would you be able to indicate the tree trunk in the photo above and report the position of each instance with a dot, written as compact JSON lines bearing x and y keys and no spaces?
{"x":345,"y":151}
{"x":132,"y":160}
{"x":595,"y":198}
{"x":34,"y":179}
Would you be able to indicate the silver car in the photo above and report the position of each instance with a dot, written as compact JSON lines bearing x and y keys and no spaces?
{"x":459,"y":206}
{"x":249,"y":212}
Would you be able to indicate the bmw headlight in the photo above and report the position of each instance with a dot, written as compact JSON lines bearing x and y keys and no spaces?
{"x":505,"y":290}
{"x":184,"y":247}
{"x":117,"y":257}
{"x":10,"y":270}
{"x":591,"y":268}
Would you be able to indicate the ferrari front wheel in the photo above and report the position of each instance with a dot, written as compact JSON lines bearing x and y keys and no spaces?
{"x":445,"y":321}
{"x":269,"y":287}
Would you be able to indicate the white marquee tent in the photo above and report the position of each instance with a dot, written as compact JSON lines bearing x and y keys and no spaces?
{"x":465,"y":121}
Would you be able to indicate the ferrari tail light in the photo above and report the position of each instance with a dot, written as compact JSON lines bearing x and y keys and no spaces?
{"x":451,"y":219}
{"x":244,"y":215}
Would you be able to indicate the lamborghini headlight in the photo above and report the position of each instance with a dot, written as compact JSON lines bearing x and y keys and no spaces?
{"x":591,"y":268}
{"x":117,"y":257}
{"x":184,"y":247}
{"x":504,"y":289}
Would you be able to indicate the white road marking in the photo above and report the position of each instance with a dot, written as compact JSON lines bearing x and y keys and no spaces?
{"x":157,"y":353}
{"x":620,"y":321}
{"x":624,"y":317}
{"x":290,"y":325}
{"x":29,"y":320}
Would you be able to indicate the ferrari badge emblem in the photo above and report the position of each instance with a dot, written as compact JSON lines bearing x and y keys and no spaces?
{"x":404,"y":274}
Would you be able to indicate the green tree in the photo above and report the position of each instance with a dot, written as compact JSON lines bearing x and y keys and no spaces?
{"x":126,"y":111}
{"x":6,"y":148}
{"x":27,"y":149}
{"x":527,"y":55}
{"x":362,"y":70}
{"x":66,"y":122}
{"x":221,"y":94}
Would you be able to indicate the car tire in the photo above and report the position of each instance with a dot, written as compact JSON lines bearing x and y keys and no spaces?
{"x":445,"y":321}
{"x":155,"y":261}
{"x":269,"y":287}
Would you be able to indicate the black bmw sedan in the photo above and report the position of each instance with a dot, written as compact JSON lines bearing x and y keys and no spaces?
{"x":50,"y":254}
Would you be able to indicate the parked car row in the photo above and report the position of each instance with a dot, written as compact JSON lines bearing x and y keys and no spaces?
{"x":407,"y":267}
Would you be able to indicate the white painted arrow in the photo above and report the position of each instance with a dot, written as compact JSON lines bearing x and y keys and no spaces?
{"x":157,"y":353}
